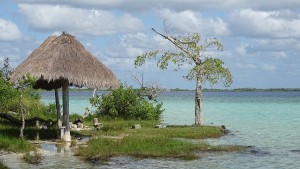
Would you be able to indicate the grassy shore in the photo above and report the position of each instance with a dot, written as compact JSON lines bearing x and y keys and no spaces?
{"x":10,"y":141}
{"x":117,"y":138}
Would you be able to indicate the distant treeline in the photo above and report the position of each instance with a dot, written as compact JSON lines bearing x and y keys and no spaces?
{"x":211,"y":90}
{"x":243,"y":90}
{"x":253,"y":90}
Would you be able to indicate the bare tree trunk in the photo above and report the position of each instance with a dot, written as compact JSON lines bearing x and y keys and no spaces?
{"x":65,"y":90}
{"x":57,"y":108}
{"x":198,"y":103}
{"x":22,"y":116}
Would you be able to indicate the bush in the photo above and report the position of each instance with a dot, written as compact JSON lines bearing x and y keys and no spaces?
{"x":9,"y":100}
{"x":126,"y":103}
{"x":7,"y":93}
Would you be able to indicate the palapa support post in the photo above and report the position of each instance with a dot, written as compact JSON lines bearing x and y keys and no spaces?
{"x":57,"y":104}
{"x":62,"y":132}
{"x":66,"y":124}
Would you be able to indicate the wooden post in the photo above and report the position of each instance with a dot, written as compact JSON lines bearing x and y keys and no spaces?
{"x":57,"y":108}
{"x":65,"y":90}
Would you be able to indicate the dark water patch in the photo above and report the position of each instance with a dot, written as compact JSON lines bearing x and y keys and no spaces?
{"x":258,"y":151}
{"x":296,"y":151}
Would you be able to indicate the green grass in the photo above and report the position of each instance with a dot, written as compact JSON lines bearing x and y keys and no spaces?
{"x":188,"y":132}
{"x":32,"y":158}
{"x":14,"y":144}
{"x":2,"y":165}
{"x":170,"y":142}
{"x":103,"y":149}
{"x":10,"y":141}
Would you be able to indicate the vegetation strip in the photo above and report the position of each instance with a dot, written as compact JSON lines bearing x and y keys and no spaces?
{"x":149,"y":142}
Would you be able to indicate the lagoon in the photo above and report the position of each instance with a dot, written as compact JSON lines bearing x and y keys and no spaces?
{"x":268,"y":121}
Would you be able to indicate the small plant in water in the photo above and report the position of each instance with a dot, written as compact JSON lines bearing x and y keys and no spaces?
{"x":73,"y":143}
{"x":3,"y":165}
{"x":33,"y":158}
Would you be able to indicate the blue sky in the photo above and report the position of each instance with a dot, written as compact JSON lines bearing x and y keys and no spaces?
{"x":261,"y":38}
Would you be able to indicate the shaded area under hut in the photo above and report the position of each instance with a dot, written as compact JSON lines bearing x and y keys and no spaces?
{"x":60,"y":62}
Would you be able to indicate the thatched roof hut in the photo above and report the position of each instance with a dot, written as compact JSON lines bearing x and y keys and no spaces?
{"x":62,"y":61}
{"x":64,"y":57}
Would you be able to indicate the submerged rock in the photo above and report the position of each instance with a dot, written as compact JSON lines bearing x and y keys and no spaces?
{"x":225,"y":131}
{"x":258,"y":151}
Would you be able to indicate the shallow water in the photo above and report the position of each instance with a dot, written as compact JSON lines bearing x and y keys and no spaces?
{"x":269,"y":121}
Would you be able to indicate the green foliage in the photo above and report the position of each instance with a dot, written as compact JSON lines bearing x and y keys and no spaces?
{"x":14,"y":144}
{"x":2,"y":165}
{"x":211,"y":70}
{"x":33,"y":158}
{"x":26,"y":81}
{"x":33,"y":106}
{"x":9,"y":99}
{"x":11,"y":131}
{"x":7,"y":94}
{"x":126,"y":103}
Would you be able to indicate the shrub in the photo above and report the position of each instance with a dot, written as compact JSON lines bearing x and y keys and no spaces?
{"x":125,"y":102}
{"x":7,"y":93}
{"x":9,"y":100}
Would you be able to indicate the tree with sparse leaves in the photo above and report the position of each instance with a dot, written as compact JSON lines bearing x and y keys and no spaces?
{"x":22,"y":84}
{"x":192,"y":51}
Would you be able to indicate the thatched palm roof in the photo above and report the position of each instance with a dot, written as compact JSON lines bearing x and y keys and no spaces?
{"x":64,"y":57}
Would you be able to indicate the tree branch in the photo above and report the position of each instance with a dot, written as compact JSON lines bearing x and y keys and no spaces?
{"x":175,"y":42}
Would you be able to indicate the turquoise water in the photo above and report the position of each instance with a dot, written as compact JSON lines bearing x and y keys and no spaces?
{"x":269,"y":121}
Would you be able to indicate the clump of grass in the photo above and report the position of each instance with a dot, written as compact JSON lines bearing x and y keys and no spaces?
{"x":103,"y":148}
{"x":149,"y":141}
{"x":2,"y":165}
{"x":33,"y":158}
{"x":73,"y":143}
{"x":187,"y":132}
{"x":15,"y":144}
{"x":145,"y":147}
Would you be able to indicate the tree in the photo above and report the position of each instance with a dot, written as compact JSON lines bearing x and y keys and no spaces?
{"x":24,"y":83}
{"x":150,"y":90}
{"x":191,"y":51}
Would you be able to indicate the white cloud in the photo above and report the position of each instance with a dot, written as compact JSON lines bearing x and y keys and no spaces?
{"x":83,"y":21}
{"x":246,"y":66}
{"x":9,"y":31}
{"x":123,"y":50}
{"x":242,"y":49}
{"x":278,"y":45}
{"x":177,"y":5}
{"x":272,"y":24}
{"x":279,"y":55}
{"x":268,"y":67}
{"x":189,"y":21}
